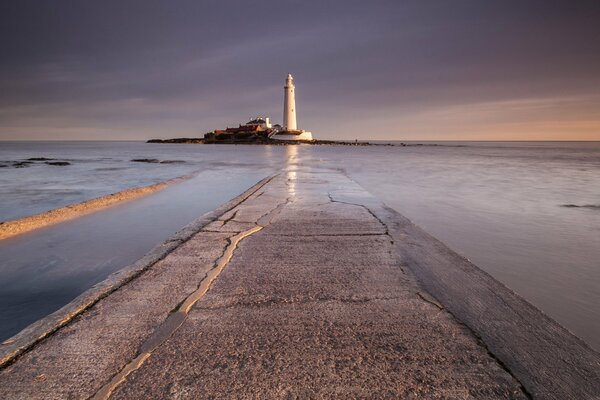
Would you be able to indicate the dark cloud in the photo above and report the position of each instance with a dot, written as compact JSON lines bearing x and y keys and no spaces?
{"x":133,"y":70}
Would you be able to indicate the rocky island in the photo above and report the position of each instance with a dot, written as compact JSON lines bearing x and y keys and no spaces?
{"x":258,"y":139}
{"x":259,"y":130}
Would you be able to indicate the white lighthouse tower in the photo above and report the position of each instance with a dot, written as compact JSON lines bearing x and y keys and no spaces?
{"x":290,"y":129}
{"x":289,"y":104}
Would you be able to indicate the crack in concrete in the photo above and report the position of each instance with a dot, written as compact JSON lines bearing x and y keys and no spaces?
{"x":5,"y":362}
{"x":264,"y":220}
{"x":502,"y":365}
{"x":473,"y":332}
{"x":430,"y":300}
{"x":387,"y":232}
{"x":177,"y":316}
{"x":175,"y":319}
{"x":225,"y":221}
{"x":10,"y":357}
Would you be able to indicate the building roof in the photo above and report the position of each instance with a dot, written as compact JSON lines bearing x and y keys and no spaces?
{"x":256,"y":121}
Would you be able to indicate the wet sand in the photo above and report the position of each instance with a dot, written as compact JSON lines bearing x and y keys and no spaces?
{"x":27,"y":224}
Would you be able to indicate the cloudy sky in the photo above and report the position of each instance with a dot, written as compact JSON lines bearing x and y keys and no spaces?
{"x":405,"y":70}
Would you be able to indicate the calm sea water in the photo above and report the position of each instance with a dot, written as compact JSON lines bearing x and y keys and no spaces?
{"x":527,"y":213}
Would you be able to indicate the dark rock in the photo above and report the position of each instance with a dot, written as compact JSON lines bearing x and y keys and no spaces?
{"x":172,"y":162}
{"x":40,"y":159}
{"x":21,"y":164}
{"x":592,"y":206}
{"x":58,"y":163}
{"x":146,"y":160}
{"x":177,"y":140}
{"x":260,"y":138}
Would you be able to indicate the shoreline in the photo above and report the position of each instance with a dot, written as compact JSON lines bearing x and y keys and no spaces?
{"x":30,"y":223}
{"x":12,"y":347}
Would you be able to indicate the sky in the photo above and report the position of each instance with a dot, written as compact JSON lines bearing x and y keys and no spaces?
{"x":388,"y":70}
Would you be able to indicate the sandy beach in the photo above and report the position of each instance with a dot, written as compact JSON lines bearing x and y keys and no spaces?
{"x":26,"y":224}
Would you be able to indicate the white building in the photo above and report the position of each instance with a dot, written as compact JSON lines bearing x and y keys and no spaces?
{"x":263,"y":122}
{"x":289,"y":105}
{"x":290,"y":129}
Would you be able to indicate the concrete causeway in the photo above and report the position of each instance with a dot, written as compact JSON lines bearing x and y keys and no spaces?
{"x":305,"y":287}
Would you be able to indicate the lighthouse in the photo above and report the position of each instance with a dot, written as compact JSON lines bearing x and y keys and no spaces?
{"x":289,"y":104}
{"x":290,"y":129}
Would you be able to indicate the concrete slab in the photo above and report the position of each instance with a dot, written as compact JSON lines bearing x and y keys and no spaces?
{"x":315,"y":305}
{"x":77,"y":359}
{"x":306,"y":289}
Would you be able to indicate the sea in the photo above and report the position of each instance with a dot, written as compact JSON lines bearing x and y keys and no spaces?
{"x":528,"y":213}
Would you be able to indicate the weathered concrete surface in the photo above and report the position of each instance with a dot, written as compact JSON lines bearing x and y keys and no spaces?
{"x":317,"y":304}
{"x":548,"y":360}
{"x":78,"y":343}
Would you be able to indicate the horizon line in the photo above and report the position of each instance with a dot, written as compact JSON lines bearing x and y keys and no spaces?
{"x":339,"y":140}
